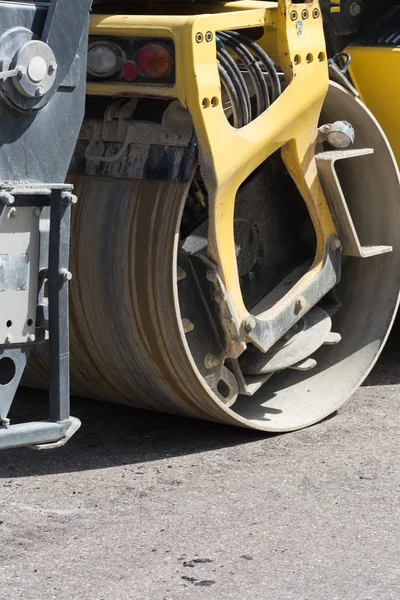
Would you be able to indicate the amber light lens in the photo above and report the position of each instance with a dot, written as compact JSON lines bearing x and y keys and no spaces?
{"x":154,"y":61}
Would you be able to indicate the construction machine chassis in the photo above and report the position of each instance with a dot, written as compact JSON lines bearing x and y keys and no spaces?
{"x":187,"y":295}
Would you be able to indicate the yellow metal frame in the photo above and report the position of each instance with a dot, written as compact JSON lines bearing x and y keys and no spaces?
{"x":373,"y":72}
{"x":228,"y":156}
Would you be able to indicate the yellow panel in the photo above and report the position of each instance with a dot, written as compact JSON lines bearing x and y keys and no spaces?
{"x":374,"y":72}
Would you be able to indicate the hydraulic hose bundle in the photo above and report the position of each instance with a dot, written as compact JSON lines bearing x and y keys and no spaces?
{"x":258,"y":65}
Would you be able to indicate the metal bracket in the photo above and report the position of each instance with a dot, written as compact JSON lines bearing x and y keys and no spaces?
{"x":33,"y":69}
{"x":337,"y":202}
{"x":280,"y":310}
{"x":50,"y":207}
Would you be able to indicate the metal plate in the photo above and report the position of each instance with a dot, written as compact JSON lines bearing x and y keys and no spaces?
{"x":19,"y":261}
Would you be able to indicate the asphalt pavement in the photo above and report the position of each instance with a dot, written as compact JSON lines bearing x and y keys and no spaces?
{"x":152,"y":507}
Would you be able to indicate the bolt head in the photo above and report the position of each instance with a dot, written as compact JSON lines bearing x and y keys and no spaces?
{"x":211,"y":361}
{"x":187,"y":325}
{"x":335,"y":243}
{"x":355,"y":9}
{"x":52,"y":67}
{"x":31,"y":337}
{"x":299,"y":305}
{"x":9,"y":339}
{"x":209,"y":36}
{"x":39,"y":91}
{"x":65,"y":275}
{"x":250,"y":324}
{"x":211,"y":276}
{"x":6,"y":198}
{"x":12,"y":212}
{"x":199,"y":37}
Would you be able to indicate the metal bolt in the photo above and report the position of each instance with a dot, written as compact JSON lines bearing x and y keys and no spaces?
{"x":250,"y":324}
{"x":12,"y":212}
{"x":199,"y":37}
{"x":9,"y":339}
{"x":65,"y":275}
{"x":293,"y":15}
{"x":211,"y":276}
{"x":251,"y":276}
{"x":187,"y":325}
{"x":355,"y":9}
{"x":210,"y":361}
{"x":36,"y":212}
{"x":31,"y":337}
{"x":6,"y":198}
{"x":5,"y":423}
{"x":39,"y":91}
{"x":298,"y":305}
{"x":52,"y":67}
{"x":335,"y":243}
{"x":304,"y":14}
{"x":69,"y":198}
{"x":209,"y":36}
{"x":180,"y":273}
{"x":315,"y":13}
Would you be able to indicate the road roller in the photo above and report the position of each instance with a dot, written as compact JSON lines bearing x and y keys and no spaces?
{"x":199,"y":215}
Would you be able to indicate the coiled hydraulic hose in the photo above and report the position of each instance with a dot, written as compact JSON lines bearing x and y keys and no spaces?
{"x":264,"y":59}
{"x":233,"y":97}
{"x":253,"y":69}
{"x":250,"y":54}
{"x":230,"y":66}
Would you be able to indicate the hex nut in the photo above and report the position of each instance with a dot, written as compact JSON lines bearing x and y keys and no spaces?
{"x":250,"y":324}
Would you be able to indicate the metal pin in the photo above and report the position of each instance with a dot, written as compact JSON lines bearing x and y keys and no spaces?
{"x":187,"y":325}
{"x":65,"y":275}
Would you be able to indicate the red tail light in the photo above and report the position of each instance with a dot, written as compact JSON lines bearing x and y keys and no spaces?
{"x":154,"y":61}
{"x":129,"y":71}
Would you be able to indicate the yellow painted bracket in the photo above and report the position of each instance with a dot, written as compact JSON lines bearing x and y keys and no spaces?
{"x":227,"y":155}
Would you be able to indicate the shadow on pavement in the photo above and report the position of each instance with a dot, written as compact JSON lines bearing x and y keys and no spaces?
{"x":114,"y":435}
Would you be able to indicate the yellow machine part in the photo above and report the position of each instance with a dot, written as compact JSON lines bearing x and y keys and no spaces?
{"x":161,"y":327}
{"x":373,"y":71}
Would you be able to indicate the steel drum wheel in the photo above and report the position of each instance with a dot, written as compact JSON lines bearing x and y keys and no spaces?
{"x":143,"y":332}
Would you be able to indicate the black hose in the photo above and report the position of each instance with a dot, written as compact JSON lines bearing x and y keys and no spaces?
{"x":265,"y":59}
{"x":238,"y":81}
{"x":253,"y":69}
{"x":233,"y":97}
